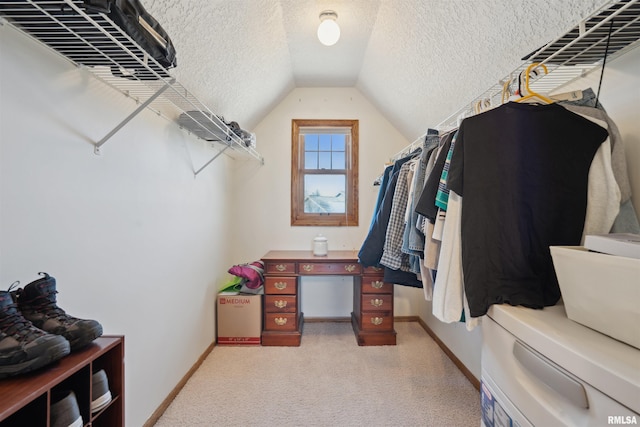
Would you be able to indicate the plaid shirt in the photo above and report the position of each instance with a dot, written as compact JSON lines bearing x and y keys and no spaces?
{"x":393,"y":257}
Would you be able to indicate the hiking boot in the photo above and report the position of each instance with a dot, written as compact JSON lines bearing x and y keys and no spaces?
{"x":37,"y":301}
{"x":23,"y":347}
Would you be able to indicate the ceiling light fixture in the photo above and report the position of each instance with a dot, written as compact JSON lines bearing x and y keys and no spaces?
{"x":328,"y":30}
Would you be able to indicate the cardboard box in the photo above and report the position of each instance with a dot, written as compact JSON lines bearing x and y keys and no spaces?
{"x":600,"y":291}
{"x":239,"y":318}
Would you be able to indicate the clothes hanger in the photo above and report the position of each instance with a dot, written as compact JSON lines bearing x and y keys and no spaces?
{"x":506,"y":93}
{"x":481,"y":105}
{"x":510,"y":88}
{"x":531,"y":95}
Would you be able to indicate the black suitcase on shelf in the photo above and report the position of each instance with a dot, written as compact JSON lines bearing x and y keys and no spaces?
{"x":63,"y":29}
{"x":133,"y":19}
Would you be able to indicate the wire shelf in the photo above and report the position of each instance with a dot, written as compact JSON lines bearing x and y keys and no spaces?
{"x":569,"y":57}
{"x":94,"y":42}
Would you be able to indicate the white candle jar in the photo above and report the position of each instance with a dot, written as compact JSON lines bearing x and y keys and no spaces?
{"x":320,"y":245}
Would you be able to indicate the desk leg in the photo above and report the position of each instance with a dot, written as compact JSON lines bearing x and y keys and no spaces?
{"x":283,"y":319}
{"x":372,"y":324}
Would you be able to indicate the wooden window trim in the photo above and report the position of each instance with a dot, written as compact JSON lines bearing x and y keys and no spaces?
{"x":298,"y":217}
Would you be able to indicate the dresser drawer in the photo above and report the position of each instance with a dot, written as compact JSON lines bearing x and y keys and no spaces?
{"x":373,"y":271}
{"x":337,"y":268}
{"x":375,"y":285}
{"x":280,"y":322}
{"x":280,"y":285}
{"x":280,"y":303}
{"x":376,"y":321}
{"x":376,"y":302}
{"x":280,"y":267}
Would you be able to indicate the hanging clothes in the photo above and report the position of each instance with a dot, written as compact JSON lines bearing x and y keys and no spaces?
{"x":386,"y":176}
{"x":397,"y":264}
{"x":413,"y":239}
{"x":426,"y":203}
{"x":432,"y":244}
{"x":442,"y":195}
{"x":373,"y":245}
{"x":392,"y":256}
{"x":522,"y":172}
{"x":603,"y":193}
{"x":627,"y":219}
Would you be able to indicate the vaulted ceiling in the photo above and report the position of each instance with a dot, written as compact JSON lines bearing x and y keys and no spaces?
{"x":417,"y":61}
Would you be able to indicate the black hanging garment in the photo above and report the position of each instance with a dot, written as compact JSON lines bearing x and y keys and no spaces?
{"x":522,"y":171}
{"x":426,"y":205}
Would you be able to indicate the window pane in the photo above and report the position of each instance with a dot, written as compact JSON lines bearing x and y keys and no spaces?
{"x":311,"y":160}
{"x":325,"y":142}
{"x":311,"y":142}
{"x":324,"y":194}
{"x":338,"y":142}
{"x":324,"y":160}
{"x":338,"y":160}
{"x":324,"y":171}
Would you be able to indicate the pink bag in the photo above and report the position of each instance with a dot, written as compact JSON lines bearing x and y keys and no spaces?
{"x":253,"y":273}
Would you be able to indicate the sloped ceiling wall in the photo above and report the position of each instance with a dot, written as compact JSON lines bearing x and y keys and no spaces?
{"x":416,"y":60}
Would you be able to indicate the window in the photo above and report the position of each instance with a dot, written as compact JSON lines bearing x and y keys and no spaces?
{"x":324,"y":172}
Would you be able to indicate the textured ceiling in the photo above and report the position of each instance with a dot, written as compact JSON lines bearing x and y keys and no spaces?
{"x":417,"y":61}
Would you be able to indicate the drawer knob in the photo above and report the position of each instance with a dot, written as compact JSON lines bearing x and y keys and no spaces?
{"x":377,"y":284}
{"x":377,"y":320}
{"x":280,"y":285}
{"x":280,"y":321}
{"x":280,"y":303}
{"x":377,"y":302}
{"x":307,"y":267}
{"x":350,"y":268}
{"x":281,"y":267}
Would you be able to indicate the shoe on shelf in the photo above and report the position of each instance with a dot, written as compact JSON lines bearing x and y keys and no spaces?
{"x":23,"y":347}
{"x":100,"y":394}
{"x":65,"y":412}
{"x":37,"y":301}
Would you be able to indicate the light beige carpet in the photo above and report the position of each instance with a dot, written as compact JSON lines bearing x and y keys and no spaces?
{"x":328,"y":381}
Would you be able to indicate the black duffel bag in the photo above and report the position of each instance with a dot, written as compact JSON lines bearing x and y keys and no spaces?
{"x":51,"y":22}
{"x":134,"y":20}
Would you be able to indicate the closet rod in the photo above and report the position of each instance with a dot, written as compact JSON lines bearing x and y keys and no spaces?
{"x":578,"y":51}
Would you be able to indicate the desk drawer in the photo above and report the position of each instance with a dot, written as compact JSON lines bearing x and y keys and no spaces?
{"x":337,"y":268}
{"x":280,"y":285}
{"x":377,"y":321}
{"x":375,"y":285}
{"x":376,"y":302}
{"x":280,"y":303}
{"x":373,"y":271}
{"x":280,"y":322}
{"x":280,"y":267}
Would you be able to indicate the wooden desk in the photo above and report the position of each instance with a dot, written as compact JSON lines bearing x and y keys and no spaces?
{"x":372,"y":316}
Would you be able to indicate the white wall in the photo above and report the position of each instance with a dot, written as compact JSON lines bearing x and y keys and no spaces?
{"x":262,"y":197}
{"x":132,"y":238}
